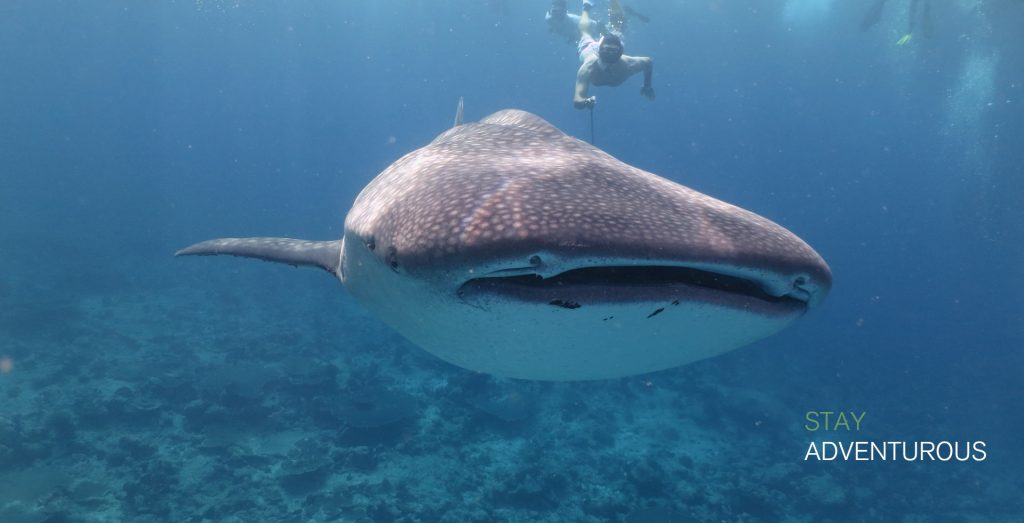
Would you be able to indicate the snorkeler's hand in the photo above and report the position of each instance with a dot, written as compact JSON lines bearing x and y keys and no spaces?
{"x":647,"y":91}
{"x":587,"y":103}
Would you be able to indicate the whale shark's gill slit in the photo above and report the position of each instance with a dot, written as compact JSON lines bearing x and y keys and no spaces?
{"x":393,"y":258}
{"x":565,"y":304}
{"x":557,"y":289}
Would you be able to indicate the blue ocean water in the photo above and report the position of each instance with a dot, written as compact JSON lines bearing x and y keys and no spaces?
{"x":140,"y":387}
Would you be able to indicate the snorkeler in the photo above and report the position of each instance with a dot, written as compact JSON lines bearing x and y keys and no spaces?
{"x":874,"y":14}
{"x":566,"y":24}
{"x":926,"y":18}
{"x":603,"y":60}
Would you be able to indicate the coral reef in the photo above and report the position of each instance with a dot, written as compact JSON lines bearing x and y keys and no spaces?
{"x":267,"y":418}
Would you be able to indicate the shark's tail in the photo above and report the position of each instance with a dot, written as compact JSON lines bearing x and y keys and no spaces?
{"x":326,"y":255}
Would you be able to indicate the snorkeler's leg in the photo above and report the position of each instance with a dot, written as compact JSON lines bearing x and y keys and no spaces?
{"x":912,"y":18}
{"x":926,"y":20}
{"x":585,"y":24}
{"x":872,"y":16}
{"x":636,"y":14}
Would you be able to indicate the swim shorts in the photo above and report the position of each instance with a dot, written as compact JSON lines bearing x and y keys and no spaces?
{"x":587,"y":46}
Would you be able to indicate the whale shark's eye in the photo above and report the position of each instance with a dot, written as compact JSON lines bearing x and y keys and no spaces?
{"x":371,"y":243}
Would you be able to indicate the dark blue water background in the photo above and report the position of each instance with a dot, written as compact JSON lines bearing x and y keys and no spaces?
{"x":128,"y":130}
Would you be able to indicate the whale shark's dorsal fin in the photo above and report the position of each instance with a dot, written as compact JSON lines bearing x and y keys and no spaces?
{"x":458,"y":114}
{"x":326,"y":255}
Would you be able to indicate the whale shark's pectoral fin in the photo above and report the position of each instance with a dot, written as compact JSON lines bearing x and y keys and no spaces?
{"x":326,"y":255}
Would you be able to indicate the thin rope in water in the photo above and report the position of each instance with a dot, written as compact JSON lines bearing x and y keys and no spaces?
{"x":591,"y":125}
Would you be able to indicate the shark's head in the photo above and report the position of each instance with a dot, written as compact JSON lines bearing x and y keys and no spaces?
{"x":508,"y":247}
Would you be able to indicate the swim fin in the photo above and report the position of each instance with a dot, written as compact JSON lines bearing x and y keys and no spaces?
{"x":636,"y":14}
{"x":872,"y":16}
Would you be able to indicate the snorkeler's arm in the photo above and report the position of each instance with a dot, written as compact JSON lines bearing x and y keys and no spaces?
{"x":648,"y":71}
{"x":645,"y":64}
{"x":580,"y":99}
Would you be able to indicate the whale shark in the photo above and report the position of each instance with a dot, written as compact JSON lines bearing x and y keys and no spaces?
{"x":507,"y":247}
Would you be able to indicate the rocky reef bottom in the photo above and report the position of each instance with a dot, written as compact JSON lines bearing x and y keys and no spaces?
{"x":191,"y":405}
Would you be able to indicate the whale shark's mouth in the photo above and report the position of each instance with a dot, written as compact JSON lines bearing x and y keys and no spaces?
{"x":578,"y":287}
